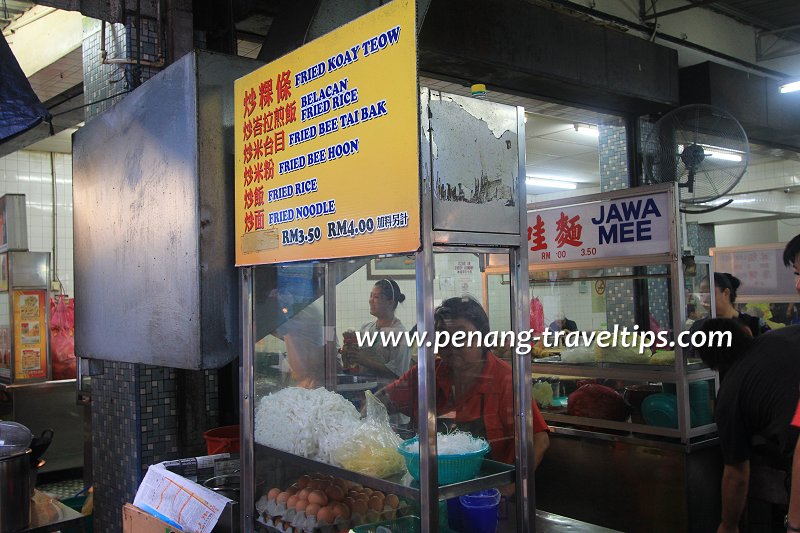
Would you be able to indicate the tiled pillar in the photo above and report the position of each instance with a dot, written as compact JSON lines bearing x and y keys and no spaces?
{"x":138,"y":417}
{"x":614,"y":176}
{"x":700,"y":237}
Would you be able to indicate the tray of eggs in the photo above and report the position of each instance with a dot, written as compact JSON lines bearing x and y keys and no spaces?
{"x":319,"y":503}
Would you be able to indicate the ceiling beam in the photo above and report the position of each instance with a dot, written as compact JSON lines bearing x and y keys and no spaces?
{"x":680,"y":9}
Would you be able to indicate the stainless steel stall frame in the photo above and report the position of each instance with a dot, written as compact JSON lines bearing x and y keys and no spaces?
{"x":433,"y":240}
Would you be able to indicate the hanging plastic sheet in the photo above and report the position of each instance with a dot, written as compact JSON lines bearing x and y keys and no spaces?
{"x":20,"y":108}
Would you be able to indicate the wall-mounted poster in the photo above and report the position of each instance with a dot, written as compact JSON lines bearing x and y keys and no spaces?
{"x":30,"y":323}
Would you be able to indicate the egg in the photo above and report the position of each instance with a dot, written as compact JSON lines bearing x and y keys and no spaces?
{"x":325,"y":514}
{"x":292,"y":490}
{"x":348,"y":501}
{"x":335,"y":493}
{"x":303,"y":494}
{"x":317,"y":496}
{"x":376,"y":503}
{"x":341,"y":483}
{"x":341,"y":510}
{"x":301,"y":505}
{"x":273,"y":493}
{"x":282,"y":497}
{"x":359,"y":507}
{"x":312,"y":509}
{"x":292,"y":501}
{"x":315,"y":484}
{"x":392,"y":501}
{"x":352,"y":493}
{"x":368,"y":491}
{"x":303,"y":481}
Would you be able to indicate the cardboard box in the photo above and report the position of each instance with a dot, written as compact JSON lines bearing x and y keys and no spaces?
{"x":134,"y":520}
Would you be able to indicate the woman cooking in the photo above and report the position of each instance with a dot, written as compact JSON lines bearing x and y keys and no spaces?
{"x":383,"y":361}
{"x":474,"y":390}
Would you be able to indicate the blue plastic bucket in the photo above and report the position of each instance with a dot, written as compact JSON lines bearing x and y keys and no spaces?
{"x":479,"y":511}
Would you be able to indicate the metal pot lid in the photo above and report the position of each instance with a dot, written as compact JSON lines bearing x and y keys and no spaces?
{"x":14,"y":438}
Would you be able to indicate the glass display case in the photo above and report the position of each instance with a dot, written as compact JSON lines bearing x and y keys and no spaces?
{"x":629,"y":401}
{"x":325,"y":414}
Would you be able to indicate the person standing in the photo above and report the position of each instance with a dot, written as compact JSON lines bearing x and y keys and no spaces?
{"x":725,"y":286}
{"x":791,"y":258}
{"x":380,"y":359}
{"x":757,"y":397}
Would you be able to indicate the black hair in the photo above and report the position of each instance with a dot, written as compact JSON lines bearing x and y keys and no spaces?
{"x":391,"y":291}
{"x":464,"y":307}
{"x":723,"y":280}
{"x":722,"y":357}
{"x":791,"y":251}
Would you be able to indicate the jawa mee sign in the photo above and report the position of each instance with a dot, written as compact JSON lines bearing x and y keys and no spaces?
{"x":327,"y":146}
{"x":637,"y":225}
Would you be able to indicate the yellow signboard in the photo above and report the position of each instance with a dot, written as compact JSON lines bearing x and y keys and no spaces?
{"x":327,"y":160}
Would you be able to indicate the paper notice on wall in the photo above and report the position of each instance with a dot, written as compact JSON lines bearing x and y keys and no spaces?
{"x":178,"y":501}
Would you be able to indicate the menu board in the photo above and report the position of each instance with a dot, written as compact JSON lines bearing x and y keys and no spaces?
{"x":761,"y":271}
{"x":30,"y":335}
{"x":326,"y":148}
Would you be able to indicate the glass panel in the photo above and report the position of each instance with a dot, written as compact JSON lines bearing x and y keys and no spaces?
{"x":697,"y":291}
{"x":336,"y":387}
{"x":324,"y":453}
{"x":603,"y":316}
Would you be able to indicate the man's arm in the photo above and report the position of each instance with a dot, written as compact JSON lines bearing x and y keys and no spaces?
{"x":735,"y":480}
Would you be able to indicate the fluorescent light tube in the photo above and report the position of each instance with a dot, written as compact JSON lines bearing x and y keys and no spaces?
{"x":790,"y":87}
{"x":723,"y":156}
{"x":555,"y":184}
{"x":584,"y":129}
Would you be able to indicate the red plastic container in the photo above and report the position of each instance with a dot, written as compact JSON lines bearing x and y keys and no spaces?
{"x":223,"y":439}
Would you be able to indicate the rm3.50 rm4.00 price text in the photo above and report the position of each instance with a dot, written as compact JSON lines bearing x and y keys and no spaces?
{"x":336,"y":229}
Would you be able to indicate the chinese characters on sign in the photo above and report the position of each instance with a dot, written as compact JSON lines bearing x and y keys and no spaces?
{"x":326,"y":146}
{"x":630,"y":226}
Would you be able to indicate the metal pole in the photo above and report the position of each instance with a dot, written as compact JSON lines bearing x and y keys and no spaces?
{"x":330,"y":326}
{"x":247,"y":430}
{"x":520,"y":319}
{"x":426,"y":402}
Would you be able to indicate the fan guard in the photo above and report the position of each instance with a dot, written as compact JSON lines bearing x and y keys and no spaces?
{"x":701,"y":147}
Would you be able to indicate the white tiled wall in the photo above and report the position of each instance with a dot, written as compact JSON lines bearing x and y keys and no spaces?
{"x":567,"y":299}
{"x":31,"y":174}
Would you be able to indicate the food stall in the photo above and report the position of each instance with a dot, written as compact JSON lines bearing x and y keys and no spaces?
{"x":438,"y":193}
{"x":633,"y":443}
{"x":28,"y":395}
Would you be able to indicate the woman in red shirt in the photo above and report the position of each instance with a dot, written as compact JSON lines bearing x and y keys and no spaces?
{"x":474,"y":389}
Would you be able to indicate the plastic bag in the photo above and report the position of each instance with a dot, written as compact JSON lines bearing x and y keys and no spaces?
{"x":62,"y":337}
{"x":373,"y":448}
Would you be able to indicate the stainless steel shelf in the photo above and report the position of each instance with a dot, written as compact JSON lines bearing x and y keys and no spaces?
{"x":492,"y":474}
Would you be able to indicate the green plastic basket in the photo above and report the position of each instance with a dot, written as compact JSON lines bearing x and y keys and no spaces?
{"x":453,"y":468}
